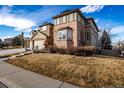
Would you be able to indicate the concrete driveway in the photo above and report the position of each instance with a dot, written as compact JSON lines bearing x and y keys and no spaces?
{"x":11,"y":51}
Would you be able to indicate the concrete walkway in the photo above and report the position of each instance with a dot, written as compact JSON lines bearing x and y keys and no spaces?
{"x":15,"y":77}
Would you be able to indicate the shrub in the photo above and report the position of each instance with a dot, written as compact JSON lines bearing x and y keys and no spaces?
{"x":45,"y":50}
{"x":61,"y":51}
{"x":70,"y":50}
{"x":79,"y":51}
{"x":82,"y":51}
{"x":89,"y":50}
{"x":52,"y":49}
{"x":98,"y":51}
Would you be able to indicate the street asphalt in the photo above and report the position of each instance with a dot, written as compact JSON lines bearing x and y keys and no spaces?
{"x":11,"y":51}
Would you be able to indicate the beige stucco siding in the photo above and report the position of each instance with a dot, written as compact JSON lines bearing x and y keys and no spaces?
{"x":31,"y":45}
{"x":39,"y":44}
{"x":37,"y":41}
{"x":39,"y":36}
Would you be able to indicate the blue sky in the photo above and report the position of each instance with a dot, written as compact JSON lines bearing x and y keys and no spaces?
{"x":16,"y":19}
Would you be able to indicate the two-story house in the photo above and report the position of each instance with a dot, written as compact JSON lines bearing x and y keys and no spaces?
{"x":73,"y":29}
{"x":42,"y":37}
{"x":70,"y":29}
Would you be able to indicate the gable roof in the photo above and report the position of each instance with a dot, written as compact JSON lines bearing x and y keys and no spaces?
{"x":38,"y":31}
{"x":69,"y":12}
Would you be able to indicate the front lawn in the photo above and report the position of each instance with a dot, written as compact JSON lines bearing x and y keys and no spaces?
{"x":81,"y":71}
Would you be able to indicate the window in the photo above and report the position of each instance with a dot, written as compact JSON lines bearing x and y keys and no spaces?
{"x":94,"y":39}
{"x":82,"y":21}
{"x":79,"y":35}
{"x":69,"y":35}
{"x":75,"y":16}
{"x":71,"y":17}
{"x":65,"y":34}
{"x":87,"y":36}
{"x":57,"y":21}
{"x":44,"y":28}
{"x":79,"y":18}
{"x":61,"y":20}
{"x":64,"y":19}
{"x":68,"y":18}
{"x":62,"y":34}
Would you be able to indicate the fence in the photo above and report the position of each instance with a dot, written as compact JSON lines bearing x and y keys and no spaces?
{"x":109,"y":52}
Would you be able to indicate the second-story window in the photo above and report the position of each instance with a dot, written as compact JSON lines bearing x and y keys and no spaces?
{"x":71,"y":17}
{"x":78,"y":17}
{"x":61,"y":20}
{"x":87,"y":36}
{"x":75,"y":16}
{"x":64,"y":19}
{"x":57,"y":21}
{"x":44,"y":28}
{"x":68,"y":18}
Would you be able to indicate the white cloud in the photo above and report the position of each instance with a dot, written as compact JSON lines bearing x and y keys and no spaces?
{"x":91,"y":8}
{"x":117,"y":30}
{"x":16,"y":21}
{"x":22,"y":20}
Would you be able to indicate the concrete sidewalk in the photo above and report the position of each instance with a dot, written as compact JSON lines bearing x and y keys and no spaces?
{"x":15,"y":77}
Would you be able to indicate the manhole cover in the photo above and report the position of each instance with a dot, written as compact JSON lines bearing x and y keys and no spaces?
{"x":2,"y":85}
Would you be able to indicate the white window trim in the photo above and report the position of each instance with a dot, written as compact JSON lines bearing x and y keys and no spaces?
{"x":57,"y":21}
{"x":62,"y":31}
{"x":67,"y":33}
{"x":64,"y":19}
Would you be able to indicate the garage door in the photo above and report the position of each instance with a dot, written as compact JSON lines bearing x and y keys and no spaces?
{"x":39,"y":44}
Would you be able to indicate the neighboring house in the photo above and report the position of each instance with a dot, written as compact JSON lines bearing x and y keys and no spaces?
{"x":8,"y":41}
{"x":71,"y":29}
{"x":42,"y":37}
{"x":1,"y":41}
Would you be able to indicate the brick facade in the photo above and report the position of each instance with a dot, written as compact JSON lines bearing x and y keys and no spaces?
{"x":84,"y":30}
{"x":64,"y":43}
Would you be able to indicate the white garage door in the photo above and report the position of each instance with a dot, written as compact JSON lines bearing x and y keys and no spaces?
{"x":39,"y":44}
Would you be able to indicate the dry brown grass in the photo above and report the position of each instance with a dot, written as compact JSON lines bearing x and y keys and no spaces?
{"x":80,"y":71}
